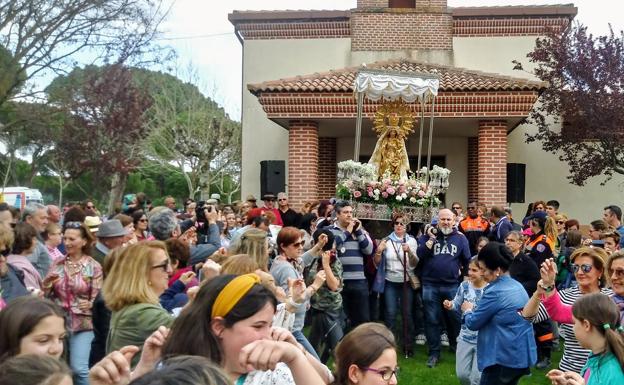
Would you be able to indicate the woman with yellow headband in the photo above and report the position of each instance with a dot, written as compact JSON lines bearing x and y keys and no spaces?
{"x":229,"y":322}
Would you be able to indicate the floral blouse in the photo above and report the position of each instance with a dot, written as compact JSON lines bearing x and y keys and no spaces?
{"x":78,"y":281}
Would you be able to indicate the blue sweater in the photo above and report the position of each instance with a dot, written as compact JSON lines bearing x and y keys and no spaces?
{"x":505,"y":337}
{"x":442,"y":263}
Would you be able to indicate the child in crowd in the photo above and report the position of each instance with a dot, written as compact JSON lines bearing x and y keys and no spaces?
{"x":466,"y":355}
{"x":597,"y":327}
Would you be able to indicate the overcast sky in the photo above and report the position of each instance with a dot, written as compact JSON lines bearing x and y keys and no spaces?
{"x":200,"y":32}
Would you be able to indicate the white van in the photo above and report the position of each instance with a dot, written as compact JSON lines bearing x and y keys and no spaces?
{"x":19,"y":197}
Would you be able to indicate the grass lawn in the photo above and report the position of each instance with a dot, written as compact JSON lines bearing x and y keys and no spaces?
{"x":415,"y":372}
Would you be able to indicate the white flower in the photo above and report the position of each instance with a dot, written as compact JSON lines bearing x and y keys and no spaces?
{"x":404,"y":195}
{"x":413,"y":200}
{"x":376,"y":191}
{"x":399,"y":198}
{"x":376,"y":197}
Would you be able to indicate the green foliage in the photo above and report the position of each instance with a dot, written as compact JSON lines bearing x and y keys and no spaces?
{"x":12,"y":76}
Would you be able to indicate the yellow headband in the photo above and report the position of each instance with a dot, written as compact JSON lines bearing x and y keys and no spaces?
{"x":232,"y":293}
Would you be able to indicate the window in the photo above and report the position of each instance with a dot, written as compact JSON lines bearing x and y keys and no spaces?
{"x":402,"y":3}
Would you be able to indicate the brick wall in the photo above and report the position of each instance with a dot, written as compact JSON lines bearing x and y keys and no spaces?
{"x":327,"y":168}
{"x":308,"y":29}
{"x":508,"y":26}
{"x":372,"y":3}
{"x":473,"y":169}
{"x":492,"y":147}
{"x":400,"y":29}
{"x":303,"y":148}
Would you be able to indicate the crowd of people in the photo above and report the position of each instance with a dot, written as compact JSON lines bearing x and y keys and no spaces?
{"x":215,"y":293}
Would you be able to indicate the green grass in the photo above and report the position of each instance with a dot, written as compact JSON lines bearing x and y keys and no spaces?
{"x":414,"y":371}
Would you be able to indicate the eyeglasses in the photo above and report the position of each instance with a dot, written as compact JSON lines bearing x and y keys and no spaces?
{"x":471,"y":208}
{"x":585,"y":268}
{"x":282,"y":199}
{"x":142,"y":220}
{"x":6,"y":252}
{"x":456,"y":208}
{"x":561,"y":222}
{"x":386,"y":374}
{"x":298,"y":244}
{"x":73,"y":225}
{"x":165,"y":266}
{"x":619,"y":273}
{"x":399,"y":224}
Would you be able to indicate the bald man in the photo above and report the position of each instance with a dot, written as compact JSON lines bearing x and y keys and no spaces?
{"x":54,"y":214}
{"x":443,"y":254}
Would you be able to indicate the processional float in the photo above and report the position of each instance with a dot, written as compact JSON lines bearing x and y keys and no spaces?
{"x":385,"y":184}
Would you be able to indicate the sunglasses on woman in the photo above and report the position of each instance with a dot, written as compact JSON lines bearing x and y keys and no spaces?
{"x":585,"y":268}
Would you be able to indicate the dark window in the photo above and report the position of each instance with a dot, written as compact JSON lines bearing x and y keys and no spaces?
{"x":402,"y":3}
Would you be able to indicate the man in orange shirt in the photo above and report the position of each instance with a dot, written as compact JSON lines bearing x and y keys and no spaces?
{"x":474,"y":227}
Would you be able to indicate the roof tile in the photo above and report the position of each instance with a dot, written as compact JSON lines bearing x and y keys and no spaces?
{"x":451,"y":79}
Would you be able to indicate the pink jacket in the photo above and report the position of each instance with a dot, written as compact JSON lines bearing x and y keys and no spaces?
{"x":558,"y":311}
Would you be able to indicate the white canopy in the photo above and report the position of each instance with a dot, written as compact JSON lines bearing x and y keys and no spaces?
{"x":377,"y":84}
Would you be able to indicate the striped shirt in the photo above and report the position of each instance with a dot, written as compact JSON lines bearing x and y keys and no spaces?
{"x":351,"y":251}
{"x":574,"y":356}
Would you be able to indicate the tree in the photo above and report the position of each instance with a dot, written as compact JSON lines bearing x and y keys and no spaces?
{"x":192,"y":132}
{"x":104,"y":123}
{"x":42,"y":35}
{"x":585,"y":95}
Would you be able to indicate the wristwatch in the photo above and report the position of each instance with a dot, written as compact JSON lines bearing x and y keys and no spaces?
{"x":548,"y":289}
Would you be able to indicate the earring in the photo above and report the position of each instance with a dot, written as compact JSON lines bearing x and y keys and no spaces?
{"x":149,"y":283}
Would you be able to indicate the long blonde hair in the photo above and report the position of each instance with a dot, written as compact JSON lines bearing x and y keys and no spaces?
{"x":127,"y":281}
{"x":253,"y":242}
{"x":550,"y":230}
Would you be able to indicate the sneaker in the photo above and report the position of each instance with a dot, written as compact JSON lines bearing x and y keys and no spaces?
{"x":543,"y":363}
{"x":444,"y":341}
{"x":432,"y":361}
{"x":420,"y":339}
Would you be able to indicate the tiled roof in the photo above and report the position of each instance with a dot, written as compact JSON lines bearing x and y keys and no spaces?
{"x":451,"y":79}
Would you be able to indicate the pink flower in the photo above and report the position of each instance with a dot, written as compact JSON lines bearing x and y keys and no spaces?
{"x":357,"y":194}
{"x":370,"y":193}
{"x":421,"y":193}
{"x":386,"y":181}
{"x":391,"y":190}
{"x":384,"y":194}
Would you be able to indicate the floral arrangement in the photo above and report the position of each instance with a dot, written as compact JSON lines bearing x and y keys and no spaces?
{"x":357,"y":183}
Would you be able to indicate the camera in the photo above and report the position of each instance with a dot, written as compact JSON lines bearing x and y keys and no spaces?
{"x":200,"y":212}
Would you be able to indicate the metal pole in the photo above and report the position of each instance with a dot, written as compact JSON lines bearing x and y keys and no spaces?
{"x":358,"y":127}
{"x":430,"y":139}
{"x":420,"y":140}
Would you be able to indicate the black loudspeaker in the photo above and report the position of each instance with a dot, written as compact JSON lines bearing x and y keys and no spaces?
{"x":272,"y":176}
{"x":515,"y":182}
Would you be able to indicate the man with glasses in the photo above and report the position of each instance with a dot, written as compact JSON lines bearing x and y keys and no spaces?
{"x":289,"y":216}
{"x":269,"y":205}
{"x":474,"y":227}
{"x":458,"y":210}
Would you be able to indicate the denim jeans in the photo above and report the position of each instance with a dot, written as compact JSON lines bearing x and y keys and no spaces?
{"x":298,"y":334}
{"x":79,"y":349}
{"x":502,"y":375}
{"x":436,"y":315}
{"x":397,"y":295}
{"x":355,"y":301}
{"x":466,"y":363}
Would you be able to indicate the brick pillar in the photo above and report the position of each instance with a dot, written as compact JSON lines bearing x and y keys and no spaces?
{"x":473,"y":169}
{"x":492,"y":161}
{"x":327,"y":168}
{"x":303,"y":175}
